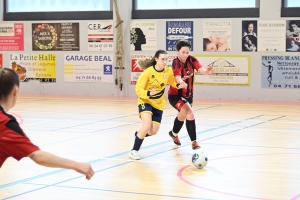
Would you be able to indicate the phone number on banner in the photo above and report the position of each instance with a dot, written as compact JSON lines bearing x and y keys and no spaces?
{"x":98,"y":78}
{"x":286,"y":86}
{"x":101,"y":45}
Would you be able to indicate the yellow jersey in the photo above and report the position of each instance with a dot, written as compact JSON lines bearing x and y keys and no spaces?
{"x":151,"y":78}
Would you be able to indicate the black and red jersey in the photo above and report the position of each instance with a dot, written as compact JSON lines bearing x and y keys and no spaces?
{"x":13,"y":141}
{"x":186,"y":72}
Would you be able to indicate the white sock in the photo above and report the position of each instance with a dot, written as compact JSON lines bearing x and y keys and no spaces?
{"x":175,"y":134}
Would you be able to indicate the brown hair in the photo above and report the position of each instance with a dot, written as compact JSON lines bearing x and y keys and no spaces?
{"x":8,"y":80}
{"x":145,"y":63}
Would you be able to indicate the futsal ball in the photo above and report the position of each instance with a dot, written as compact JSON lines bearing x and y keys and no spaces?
{"x":199,"y":160}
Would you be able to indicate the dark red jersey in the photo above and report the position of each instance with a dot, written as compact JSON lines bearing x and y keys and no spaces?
{"x":186,"y":72}
{"x":13,"y":141}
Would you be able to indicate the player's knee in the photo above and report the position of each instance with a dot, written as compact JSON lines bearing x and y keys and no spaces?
{"x":181,"y":117}
{"x":146,"y":127}
{"x":153,"y":132}
{"x":190,"y":114}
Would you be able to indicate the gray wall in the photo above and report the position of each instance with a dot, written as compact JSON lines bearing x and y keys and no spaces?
{"x":269,"y":10}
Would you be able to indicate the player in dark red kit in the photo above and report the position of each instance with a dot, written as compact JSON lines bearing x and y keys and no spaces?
{"x":184,"y":67}
{"x":14,"y":142}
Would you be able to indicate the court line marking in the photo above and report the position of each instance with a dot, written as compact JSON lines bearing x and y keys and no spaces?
{"x":270,"y":147}
{"x":224,"y":193}
{"x":296,"y":197}
{"x":181,"y":177}
{"x":112,"y":156}
{"x":63,"y":181}
{"x":108,"y":129}
{"x":119,"y":191}
{"x":124,"y":153}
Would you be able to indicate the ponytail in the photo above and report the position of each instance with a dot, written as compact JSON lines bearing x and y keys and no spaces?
{"x":145,"y":63}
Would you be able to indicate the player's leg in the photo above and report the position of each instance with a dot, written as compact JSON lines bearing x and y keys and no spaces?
{"x":156,"y":120}
{"x":145,"y":111}
{"x":178,"y":103}
{"x":184,"y":106}
{"x":145,"y":108}
{"x":191,"y":123}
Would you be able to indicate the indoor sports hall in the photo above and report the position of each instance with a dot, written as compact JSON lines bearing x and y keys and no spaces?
{"x":77,"y":66}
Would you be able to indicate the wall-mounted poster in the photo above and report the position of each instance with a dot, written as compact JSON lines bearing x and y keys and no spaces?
{"x":12,"y":37}
{"x":280,"y":72}
{"x":136,"y":71}
{"x":100,"y":36}
{"x":178,"y":30}
{"x":228,"y":70}
{"x":88,"y":68}
{"x":271,"y":35}
{"x":143,"y":35}
{"x":249,"y":36}
{"x":217,"y":35}
{"x":55,"y":36}
{"x":292,"y":36}
{"x":40,"y":67}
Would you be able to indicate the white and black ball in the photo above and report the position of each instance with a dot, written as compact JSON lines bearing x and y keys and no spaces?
{"x":199,"y":160}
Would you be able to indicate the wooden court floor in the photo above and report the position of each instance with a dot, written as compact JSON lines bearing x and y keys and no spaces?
{"x":253,"y":151}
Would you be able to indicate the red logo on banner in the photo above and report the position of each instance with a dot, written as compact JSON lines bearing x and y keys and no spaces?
{"x":134,"y":67}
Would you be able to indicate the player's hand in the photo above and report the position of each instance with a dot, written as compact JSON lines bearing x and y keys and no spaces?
{"x":210,"y":69}
{"x":153,"y":91}
{"x":182,"y":85}
{"x":85,"y":169}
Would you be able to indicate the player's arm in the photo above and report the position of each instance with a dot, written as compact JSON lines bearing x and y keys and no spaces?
{"x":16,"y":144}
{"x":199,"y":68}
{"x":176,"y":72}
{"x":50,"y":160}
{"x":141,"y":87}
{"x":207,"y":71}
{"x":179,"y":80}
{"x":175,"y":81}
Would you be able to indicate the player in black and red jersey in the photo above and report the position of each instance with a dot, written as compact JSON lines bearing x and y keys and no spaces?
{"x":184,"y":67}
{"x":14,"y":142}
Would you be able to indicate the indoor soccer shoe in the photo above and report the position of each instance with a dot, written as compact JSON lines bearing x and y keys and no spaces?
{"x":195,"y":145}
{"x":133,"y":154}
{"x":175,"y":139}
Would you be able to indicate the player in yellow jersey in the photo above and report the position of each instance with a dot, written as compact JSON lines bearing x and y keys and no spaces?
{"x":150,"y":89}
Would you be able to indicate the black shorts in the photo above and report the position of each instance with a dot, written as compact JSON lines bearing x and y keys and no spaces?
{"x":156,"y":114}
{"x":177,"y":101}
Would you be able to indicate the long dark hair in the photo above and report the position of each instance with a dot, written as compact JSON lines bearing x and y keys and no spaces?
{"x":145,"y":63}
{"x":8,"y":80}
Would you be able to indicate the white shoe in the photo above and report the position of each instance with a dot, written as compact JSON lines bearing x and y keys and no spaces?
{"x":133,"y":154}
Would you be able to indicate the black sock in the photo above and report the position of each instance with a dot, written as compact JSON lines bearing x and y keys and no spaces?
{"x":137,"y":143}
{"x":147,"y":135}
{"x":177,"y":125}
{"x":191,"y":129}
